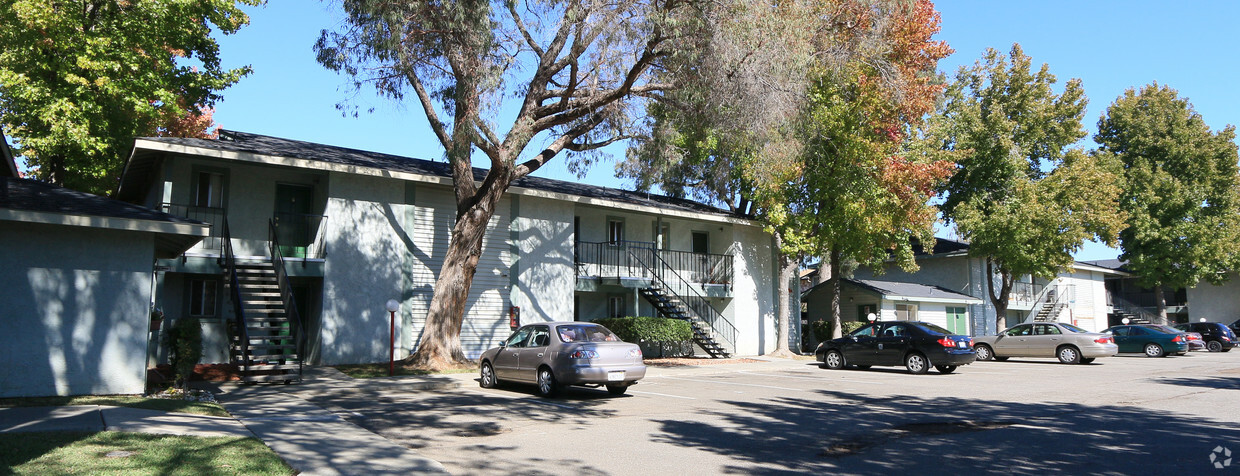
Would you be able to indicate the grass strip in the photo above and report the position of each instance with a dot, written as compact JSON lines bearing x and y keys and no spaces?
{"x":111,"y":452}
{"x":381,"y":370}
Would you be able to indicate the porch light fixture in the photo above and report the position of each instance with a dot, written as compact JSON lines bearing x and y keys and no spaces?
{"x":392,"y":306}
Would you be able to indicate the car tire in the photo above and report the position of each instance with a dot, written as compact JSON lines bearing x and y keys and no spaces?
{"x":984,"y":352}
{"x":547,"y":386}
{"x":916,"y":363}
{"x":486,"y":376}
{"x":1154,"y":350}
{"x":617,"y":389}
{"x":834,"y":360}
{"x":1087,"y":360}
{"x":1214,"y":346}
{"x":1068,"y":354}
{"x":946,"y":369}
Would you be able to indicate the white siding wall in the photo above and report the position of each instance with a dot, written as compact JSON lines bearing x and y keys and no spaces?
{"x":1089,"y":307}
{"x":753,"y":306}
{"x":1215,"y":303}
{"x":546,"y":276}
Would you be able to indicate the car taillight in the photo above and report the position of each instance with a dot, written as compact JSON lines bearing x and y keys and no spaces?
{"x":635,"y":354}
{"x":583,"y":354}
{"x":1179,"y":338}
{"x":1104,"y":340}
{"x":1193,"y":337}
{"x":947,"y":342}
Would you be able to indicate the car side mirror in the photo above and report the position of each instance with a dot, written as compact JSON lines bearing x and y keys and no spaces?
{"x":503,"y":343}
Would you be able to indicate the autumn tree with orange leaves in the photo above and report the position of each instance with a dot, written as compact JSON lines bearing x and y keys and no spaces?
{"x":837,"y":177}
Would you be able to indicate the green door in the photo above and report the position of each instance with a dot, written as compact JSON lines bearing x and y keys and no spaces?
{"x":957,"y":321}
{"x":293,"y":206}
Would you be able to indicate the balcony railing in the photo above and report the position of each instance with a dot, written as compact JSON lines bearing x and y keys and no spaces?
{"x":1025,"y":293}
{"x":214,"y":216}
{"x":613,"y":260}
{"x":300,"y":235}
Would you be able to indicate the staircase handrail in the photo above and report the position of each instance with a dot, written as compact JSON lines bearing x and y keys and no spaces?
{"x":1131,"y":308}
{"x":234,"y":286}
{"x":713,"y":318}
{"x":286,"y":294}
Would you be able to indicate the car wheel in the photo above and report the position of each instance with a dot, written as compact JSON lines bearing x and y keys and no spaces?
{"x":1154,"y":350}
{"x":834,"y":360}
{"x":617,"y":389}
{"x":487,"y":376}
{"x":547,"y":386}
{"x":916,"y":363}
{"x":1068,"y":355}
{"x":1214,"y":346}
{"x":984,"y":352}
{"x":946,"y":369}
{"x":1087,"y":360}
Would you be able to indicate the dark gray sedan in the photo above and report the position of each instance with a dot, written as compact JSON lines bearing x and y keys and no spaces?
{"x":553,"y":355}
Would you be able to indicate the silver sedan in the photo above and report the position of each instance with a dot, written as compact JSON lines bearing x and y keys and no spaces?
{"x":1069,"y":343}
{"x":557,"y":354}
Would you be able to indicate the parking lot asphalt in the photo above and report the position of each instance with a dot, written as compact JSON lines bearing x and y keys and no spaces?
{"x":1120,"y":415}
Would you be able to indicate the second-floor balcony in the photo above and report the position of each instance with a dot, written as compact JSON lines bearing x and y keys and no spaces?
{"x":300,"y":235}
{"x":634,"y":259}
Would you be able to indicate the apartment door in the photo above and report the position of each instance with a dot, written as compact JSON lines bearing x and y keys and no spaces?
{"x":293,"y":206}
{"x":957,"y":321}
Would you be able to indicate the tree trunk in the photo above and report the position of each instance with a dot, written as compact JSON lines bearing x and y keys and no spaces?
{"x":1161,"y":301}
{"x":837,"y":329}
{"x":1000,"y":300}
{"x":440,"y":345}
{"x":787,"y":267}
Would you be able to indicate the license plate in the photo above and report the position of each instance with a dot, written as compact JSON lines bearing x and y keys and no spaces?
{"x":615,"y":376}
{"x":961,"y":344}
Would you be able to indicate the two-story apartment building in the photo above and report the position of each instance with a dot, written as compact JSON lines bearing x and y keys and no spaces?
{"x":1078,"y":296}
{"x":353,"y":229}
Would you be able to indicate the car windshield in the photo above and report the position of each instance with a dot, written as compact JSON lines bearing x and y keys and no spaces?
{"x":586,"y":333}
{"x":932,"y":329}
{"x":1071,"y":328}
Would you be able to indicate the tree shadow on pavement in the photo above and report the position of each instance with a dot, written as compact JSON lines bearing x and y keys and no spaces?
{"x":860,"y":435}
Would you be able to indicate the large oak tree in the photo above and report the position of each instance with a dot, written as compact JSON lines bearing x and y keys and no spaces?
{"x":1021,"y":195}
{"x":79,"y":79}
{"x":1183,"y":190}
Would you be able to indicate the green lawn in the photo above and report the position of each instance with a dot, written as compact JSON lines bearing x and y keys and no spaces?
{"x":113,"y":452}
{"x":162,"y":404}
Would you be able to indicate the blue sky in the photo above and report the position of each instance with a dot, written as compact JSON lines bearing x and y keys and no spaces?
{"x":1110,"y":45}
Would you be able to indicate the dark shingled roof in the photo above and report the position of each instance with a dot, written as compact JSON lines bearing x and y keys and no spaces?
{"x":941,"y":246}
{"x":9,"y":167}
{"x":1115,"y":264}
{"x":34,"y":196}
{"x":274,"y":146}
{"x":913,"y":290}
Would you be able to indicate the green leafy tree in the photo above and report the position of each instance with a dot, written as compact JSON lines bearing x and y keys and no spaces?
{"x":1183,"y":190}
{"x":1022,"y":197}
{"x":830,"y":177}
{"x":80,"y":79}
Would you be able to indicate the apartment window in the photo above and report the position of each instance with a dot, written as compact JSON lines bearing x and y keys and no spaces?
{"x":701,"y":242}
{"x":615,"y":230}
{"x":615,"y":306}
{"x":203,"y":297}
{"x":906,"y":312}
{"x":210,"y":190}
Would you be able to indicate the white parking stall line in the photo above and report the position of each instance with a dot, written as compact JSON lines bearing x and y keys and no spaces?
{"x":661,"y":395}
{"x":735,"y":384}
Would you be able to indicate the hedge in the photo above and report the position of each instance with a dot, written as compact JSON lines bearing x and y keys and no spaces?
{"x":648,"y":329}
{"x":822,"y":329}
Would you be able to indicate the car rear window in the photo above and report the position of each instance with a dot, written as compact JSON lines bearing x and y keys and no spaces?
{"x":932,"y":329}
{"x":586,"y":333}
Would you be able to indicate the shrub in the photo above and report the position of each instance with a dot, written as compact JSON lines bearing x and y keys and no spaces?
{"x":184,"y":341}
{"x":648,"y":329}
{"x":822,"y":329}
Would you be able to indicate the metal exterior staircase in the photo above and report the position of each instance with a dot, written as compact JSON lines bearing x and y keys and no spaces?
{"x":674,"y":298}
{"x":271,"y":353}
{"x":669,"y":306}
{"x":265,"y":338}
